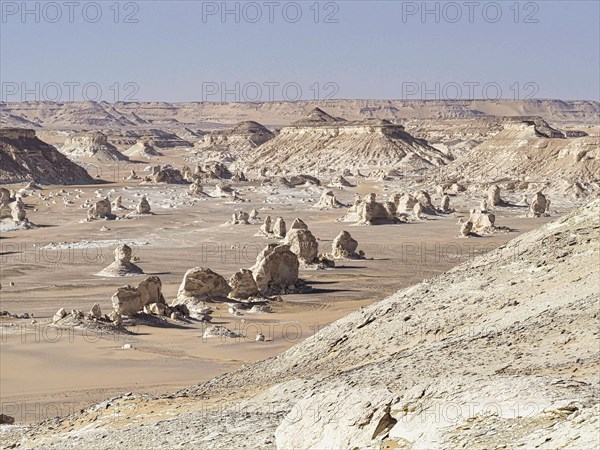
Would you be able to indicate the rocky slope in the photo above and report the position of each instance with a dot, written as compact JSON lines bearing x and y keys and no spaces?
{"x":93,"y":145}
{"x":23,"y":157}
{"x":530,"y":150}
{"x":160,"y":114}
{"x":322,"y":142}
{"x":499,"y":352}
{"x":243,"y":137}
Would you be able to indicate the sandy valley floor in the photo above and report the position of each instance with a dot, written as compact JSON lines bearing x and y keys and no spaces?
{"x":47,"y":372}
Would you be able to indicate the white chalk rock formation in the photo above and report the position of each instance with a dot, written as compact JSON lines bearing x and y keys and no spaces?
{"x":406,"y":203}
{"x":100,"y":210}
{"x":243,"y":285}
{"x":276,"y":270}
{"x":298,"y":224}
{"x":328,"y":201}
{"x":539,"y":205}
{"x":483,"y":222}
{"x":344,"y":247}
{"x":279,"y":228}
{"x":445,"y":204}
{"x":303,"y":244}
{"x":466,"y":228}
{"x":201,"y":284}
{"x":143,"y":206}
{"x":117,"y":204}
{"x":128,"y":300}
{"x":266,"y":228}
{"x":493,"y":197}
{"x":371,"y":212}
{"x":122,"y":266}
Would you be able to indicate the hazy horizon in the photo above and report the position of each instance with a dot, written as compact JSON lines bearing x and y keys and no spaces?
{"x":239,"y":52}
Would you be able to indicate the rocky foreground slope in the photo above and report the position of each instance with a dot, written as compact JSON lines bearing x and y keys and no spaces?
{"x":499,"y":352}
{"x":23,"y":157}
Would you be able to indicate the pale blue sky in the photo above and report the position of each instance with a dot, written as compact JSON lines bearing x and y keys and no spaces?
{"x":173,"y":54}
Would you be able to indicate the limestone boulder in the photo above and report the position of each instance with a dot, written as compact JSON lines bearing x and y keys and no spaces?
{"x":202,"y":284}
{"x":243,"y":285}
{"x":303,"y":244}
{"x":276,"y":270}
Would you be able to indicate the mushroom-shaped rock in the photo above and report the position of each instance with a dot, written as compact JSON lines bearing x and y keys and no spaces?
{"x":122,"y":267}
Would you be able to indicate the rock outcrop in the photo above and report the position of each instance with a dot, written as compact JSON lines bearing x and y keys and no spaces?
{"x":539,"y":205}
{"x":328,"y":201}
{"x":276,"y":270}
{"x":303,"y":244}
{"x":23,"y":157}
{"x":201,"y":284}
{"x":345,"y":247}
{"x":92,"y":145}
{"x":243,"y":285}
{"x":325,"y":142}
{"x":130,"y":300}
{"x":122,"y":266}
{"x":101,"y":209}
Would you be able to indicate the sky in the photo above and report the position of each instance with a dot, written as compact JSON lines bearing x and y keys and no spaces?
{"x":178,"y":51}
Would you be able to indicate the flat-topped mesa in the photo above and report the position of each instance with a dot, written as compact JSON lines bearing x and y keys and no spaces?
{"x":320,"y":140}
{"x":122,"y":266}
{"x":17,"y":133}
{"x":91,"y":145}
{"x":243,"y":136}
